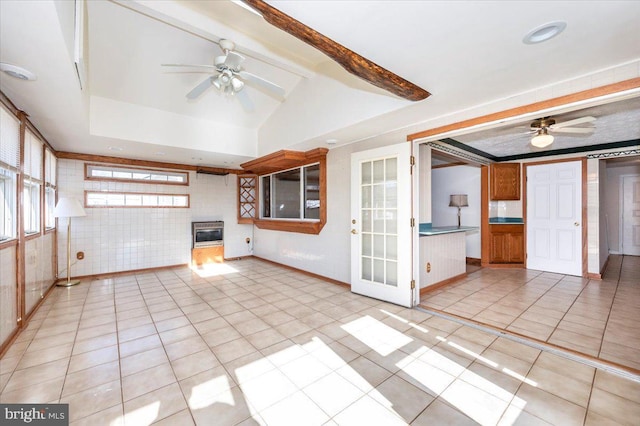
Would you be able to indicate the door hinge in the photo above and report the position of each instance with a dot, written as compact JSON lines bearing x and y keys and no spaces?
{"x":412,"y":160}
{"x":413,"y":284}
{"x":413,"y":222}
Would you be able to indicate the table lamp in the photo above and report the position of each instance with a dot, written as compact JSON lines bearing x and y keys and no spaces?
{"x":458,"y":200}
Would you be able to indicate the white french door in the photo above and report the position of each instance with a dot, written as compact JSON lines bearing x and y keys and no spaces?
{"x":554,"y":217}
{"x":381,"y":240}
{"x":631,"y":215}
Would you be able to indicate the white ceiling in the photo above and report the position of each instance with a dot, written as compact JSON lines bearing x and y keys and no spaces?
{"x":467,"y":54}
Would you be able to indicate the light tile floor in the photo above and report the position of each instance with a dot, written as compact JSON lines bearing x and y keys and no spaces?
{"x":600,"y":318}
{"x":252,"y":343}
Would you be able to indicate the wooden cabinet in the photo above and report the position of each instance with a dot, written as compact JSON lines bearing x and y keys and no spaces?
{"x":505,"y":181}
{"x":506,"y":244}
{"x":204,"y":255}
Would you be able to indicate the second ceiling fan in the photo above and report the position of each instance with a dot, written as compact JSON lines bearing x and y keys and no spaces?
{"x":229,"y":77}
{"x":542,"y":127}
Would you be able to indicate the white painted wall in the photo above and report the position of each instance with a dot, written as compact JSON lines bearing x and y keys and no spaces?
{"x":612,"y":203}
{"x":122,"y":239}
{"x":457,"y":180}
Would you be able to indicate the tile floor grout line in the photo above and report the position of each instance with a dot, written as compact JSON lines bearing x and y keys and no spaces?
{"x":613,"y":300}
{"x":567,"y":311}
{"x":538,"y":345}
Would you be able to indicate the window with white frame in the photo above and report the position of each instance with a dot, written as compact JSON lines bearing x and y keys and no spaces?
{"x":50,"y":188}
{"x":291,"y":194}
{"x":9,"y":164}
{"x":32,"y":183}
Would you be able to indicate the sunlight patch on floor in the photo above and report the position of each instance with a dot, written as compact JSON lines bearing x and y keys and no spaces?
{"x":216,"y":390}
{"x":377,"y":335}
{"x":213,"y":269}
{"x":143,"y":415}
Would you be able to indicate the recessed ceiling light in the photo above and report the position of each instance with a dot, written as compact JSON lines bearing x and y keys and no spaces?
{"x":332,"y":141}
{"x":115,"y":148}
{"x":544,"y":32}
{"x":17,"y":72}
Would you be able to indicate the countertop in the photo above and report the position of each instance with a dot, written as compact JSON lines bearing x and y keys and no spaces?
{"x":439,"y":230}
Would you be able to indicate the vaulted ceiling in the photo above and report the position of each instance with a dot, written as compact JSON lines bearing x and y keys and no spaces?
{"x":465,"y":53}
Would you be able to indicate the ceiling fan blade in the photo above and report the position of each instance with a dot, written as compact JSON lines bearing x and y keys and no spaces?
{"x":189,"y":66}
{"x":581,"y":120}
{"x":577,"y":130}
{"x":273,"y":89}
{"x":200,"y":88}
{"x":244,"y":100}
{"x":348,"y":59}
{"x":233,"y":60}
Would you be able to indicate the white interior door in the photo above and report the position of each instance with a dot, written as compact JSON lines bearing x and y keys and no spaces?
{"x":381,"y":240}
{"x":554,"y":217}
{"x":631,"y":215}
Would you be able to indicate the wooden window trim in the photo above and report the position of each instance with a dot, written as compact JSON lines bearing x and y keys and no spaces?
{"x":86,"y":192}
{"x":153,"y":182}
{"x":8,"y":243}
{"x":285,"y":160}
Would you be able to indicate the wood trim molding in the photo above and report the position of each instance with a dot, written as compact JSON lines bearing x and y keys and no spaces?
{"x":609,"y":89}
{"x":311,"y":274}
{"x":282,"y":160}
{"x":443,"y":283}
{"x":303,"y":227}
{"x":484,"y":216}
{"x":144,"y":163}
{"x":348,"y":59}
{"x":128,"y":272}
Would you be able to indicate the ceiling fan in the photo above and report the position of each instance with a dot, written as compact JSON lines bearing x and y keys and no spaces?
{"x":229,"y":77}
{"x":542,"y":127}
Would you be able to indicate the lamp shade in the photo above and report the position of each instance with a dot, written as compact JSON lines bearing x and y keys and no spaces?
{"x":68,"y":207}
{"x":458,"y":200}
{"x":542,"y":139}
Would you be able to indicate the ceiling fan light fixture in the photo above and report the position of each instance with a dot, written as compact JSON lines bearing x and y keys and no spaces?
{"x":542,"y":139}
{"x":237,"y":84}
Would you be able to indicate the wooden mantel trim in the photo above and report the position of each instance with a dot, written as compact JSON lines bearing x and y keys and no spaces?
{"x":609,"y":89}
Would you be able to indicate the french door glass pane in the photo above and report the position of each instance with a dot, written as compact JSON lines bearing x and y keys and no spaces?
{"x":379,"y":215}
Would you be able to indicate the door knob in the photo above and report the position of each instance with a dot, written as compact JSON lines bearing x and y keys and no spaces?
{"x":353,"y":231}
{"x":576,"y":224}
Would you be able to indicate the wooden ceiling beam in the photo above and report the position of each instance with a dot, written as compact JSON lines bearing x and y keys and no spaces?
{"x":348,"y":59}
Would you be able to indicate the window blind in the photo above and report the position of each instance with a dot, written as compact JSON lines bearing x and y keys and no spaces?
{"x":32,"y":156}
{"x":9,"y":139}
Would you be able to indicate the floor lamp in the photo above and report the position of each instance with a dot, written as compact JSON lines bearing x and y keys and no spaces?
{"x":68,"y":207}
{"x":458,"y":200}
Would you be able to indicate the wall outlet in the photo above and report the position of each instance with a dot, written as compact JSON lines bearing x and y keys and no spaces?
{"x":80,"y":255}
